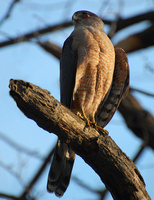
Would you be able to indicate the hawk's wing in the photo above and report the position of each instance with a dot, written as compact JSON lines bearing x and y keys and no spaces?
{"x":61,"y":167}
{"x":118,"y":90}
{"x":68,"y":65}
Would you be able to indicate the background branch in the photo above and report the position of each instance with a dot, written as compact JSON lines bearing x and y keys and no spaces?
{"x":120,"y":24}
{"x":19,"y":147}
{"x":7,"y":15}
{"x":27,"y":190}
{"x":7,"y":196}
{"x":141,"y":91}
{"x":34,"y":34}
{"x":140,"y":121}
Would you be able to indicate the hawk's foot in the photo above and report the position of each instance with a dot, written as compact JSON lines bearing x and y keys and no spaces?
{"x":100,"y":129}
{"x":80,"y":115}
{"x":84,"y":117}
{"x":92,"y":123}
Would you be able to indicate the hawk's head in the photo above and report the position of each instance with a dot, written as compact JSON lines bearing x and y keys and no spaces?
{"x":87,"y":18}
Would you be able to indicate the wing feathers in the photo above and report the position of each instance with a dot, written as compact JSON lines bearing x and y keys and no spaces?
{"x":61,"y":167}
{"x":119,"y":89}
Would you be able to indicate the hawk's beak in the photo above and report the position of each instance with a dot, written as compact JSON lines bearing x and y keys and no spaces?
{"x":75,"y":18}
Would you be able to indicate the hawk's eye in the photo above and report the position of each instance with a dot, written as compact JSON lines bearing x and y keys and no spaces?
{"x":85,"y":15}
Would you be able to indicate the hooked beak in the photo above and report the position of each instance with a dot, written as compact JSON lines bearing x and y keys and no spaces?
{"x":75,"y":18}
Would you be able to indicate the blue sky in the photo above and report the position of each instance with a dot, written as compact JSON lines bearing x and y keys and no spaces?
{"x":29,"y":62}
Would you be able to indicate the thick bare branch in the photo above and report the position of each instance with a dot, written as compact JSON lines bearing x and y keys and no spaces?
{"x":138,"y":41}
{"x":121,"y":24}
{"x":34,"y":34}
{"x":140,"y":121}
{"x":115,"y":169}
{"x":51,"y":48}
{"x":124,"y":23}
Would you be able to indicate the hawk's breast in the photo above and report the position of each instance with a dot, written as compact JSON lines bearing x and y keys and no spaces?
{"x":95,"y":66}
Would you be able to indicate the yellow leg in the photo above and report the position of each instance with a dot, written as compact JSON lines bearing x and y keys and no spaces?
{"x":84,"y":117}
{"x":102,"y":130}
{"x":99,"y":128}
{"x":79,"y":114}
{"x":92,"y":123}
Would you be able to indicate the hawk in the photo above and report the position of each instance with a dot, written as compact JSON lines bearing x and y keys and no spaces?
{"x":93,"y":79}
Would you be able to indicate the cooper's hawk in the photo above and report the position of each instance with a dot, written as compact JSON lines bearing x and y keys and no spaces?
{"x":88,"y":86}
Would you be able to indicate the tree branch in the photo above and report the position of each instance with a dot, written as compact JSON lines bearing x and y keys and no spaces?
{"x":140,"y":40}
{"x":7,"y":15}
{"x":115,"y":169}
{"x":140,"y":121}
{"x":102,"y":193}
{"x":124,"y":23}
{"x":121,"y":24}
{"x":51,"y":48}
{"x":36,"y":176}
{"x":7,"y":196}
{"x":20,"y":148}
{"x":141,"y":91}
{"x":35,"y":34}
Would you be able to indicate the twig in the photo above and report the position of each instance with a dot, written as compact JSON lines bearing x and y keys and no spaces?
{"x":19,"y":148}
{"x":141,"y":91}
{"x":7,"y":15}
{"x":139,"y":152}
{"x":83,"y":185}
{"x":8,"y":168}
{"x":7,"y":196}
{"x":37,"y":176}
{"x":101,"y":193}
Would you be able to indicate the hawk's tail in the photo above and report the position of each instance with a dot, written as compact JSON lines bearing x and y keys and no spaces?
{"x":61,"y":168}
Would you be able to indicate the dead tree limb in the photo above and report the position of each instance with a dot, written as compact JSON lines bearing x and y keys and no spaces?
{"x":115,"y":169}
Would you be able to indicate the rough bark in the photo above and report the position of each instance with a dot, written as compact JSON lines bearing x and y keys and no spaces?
{"x":115,"y":169}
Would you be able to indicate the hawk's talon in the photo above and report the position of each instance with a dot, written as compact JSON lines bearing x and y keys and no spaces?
{"x":79,"y":114}
{"x":101,"y":130}
{"x":91,"y":123}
